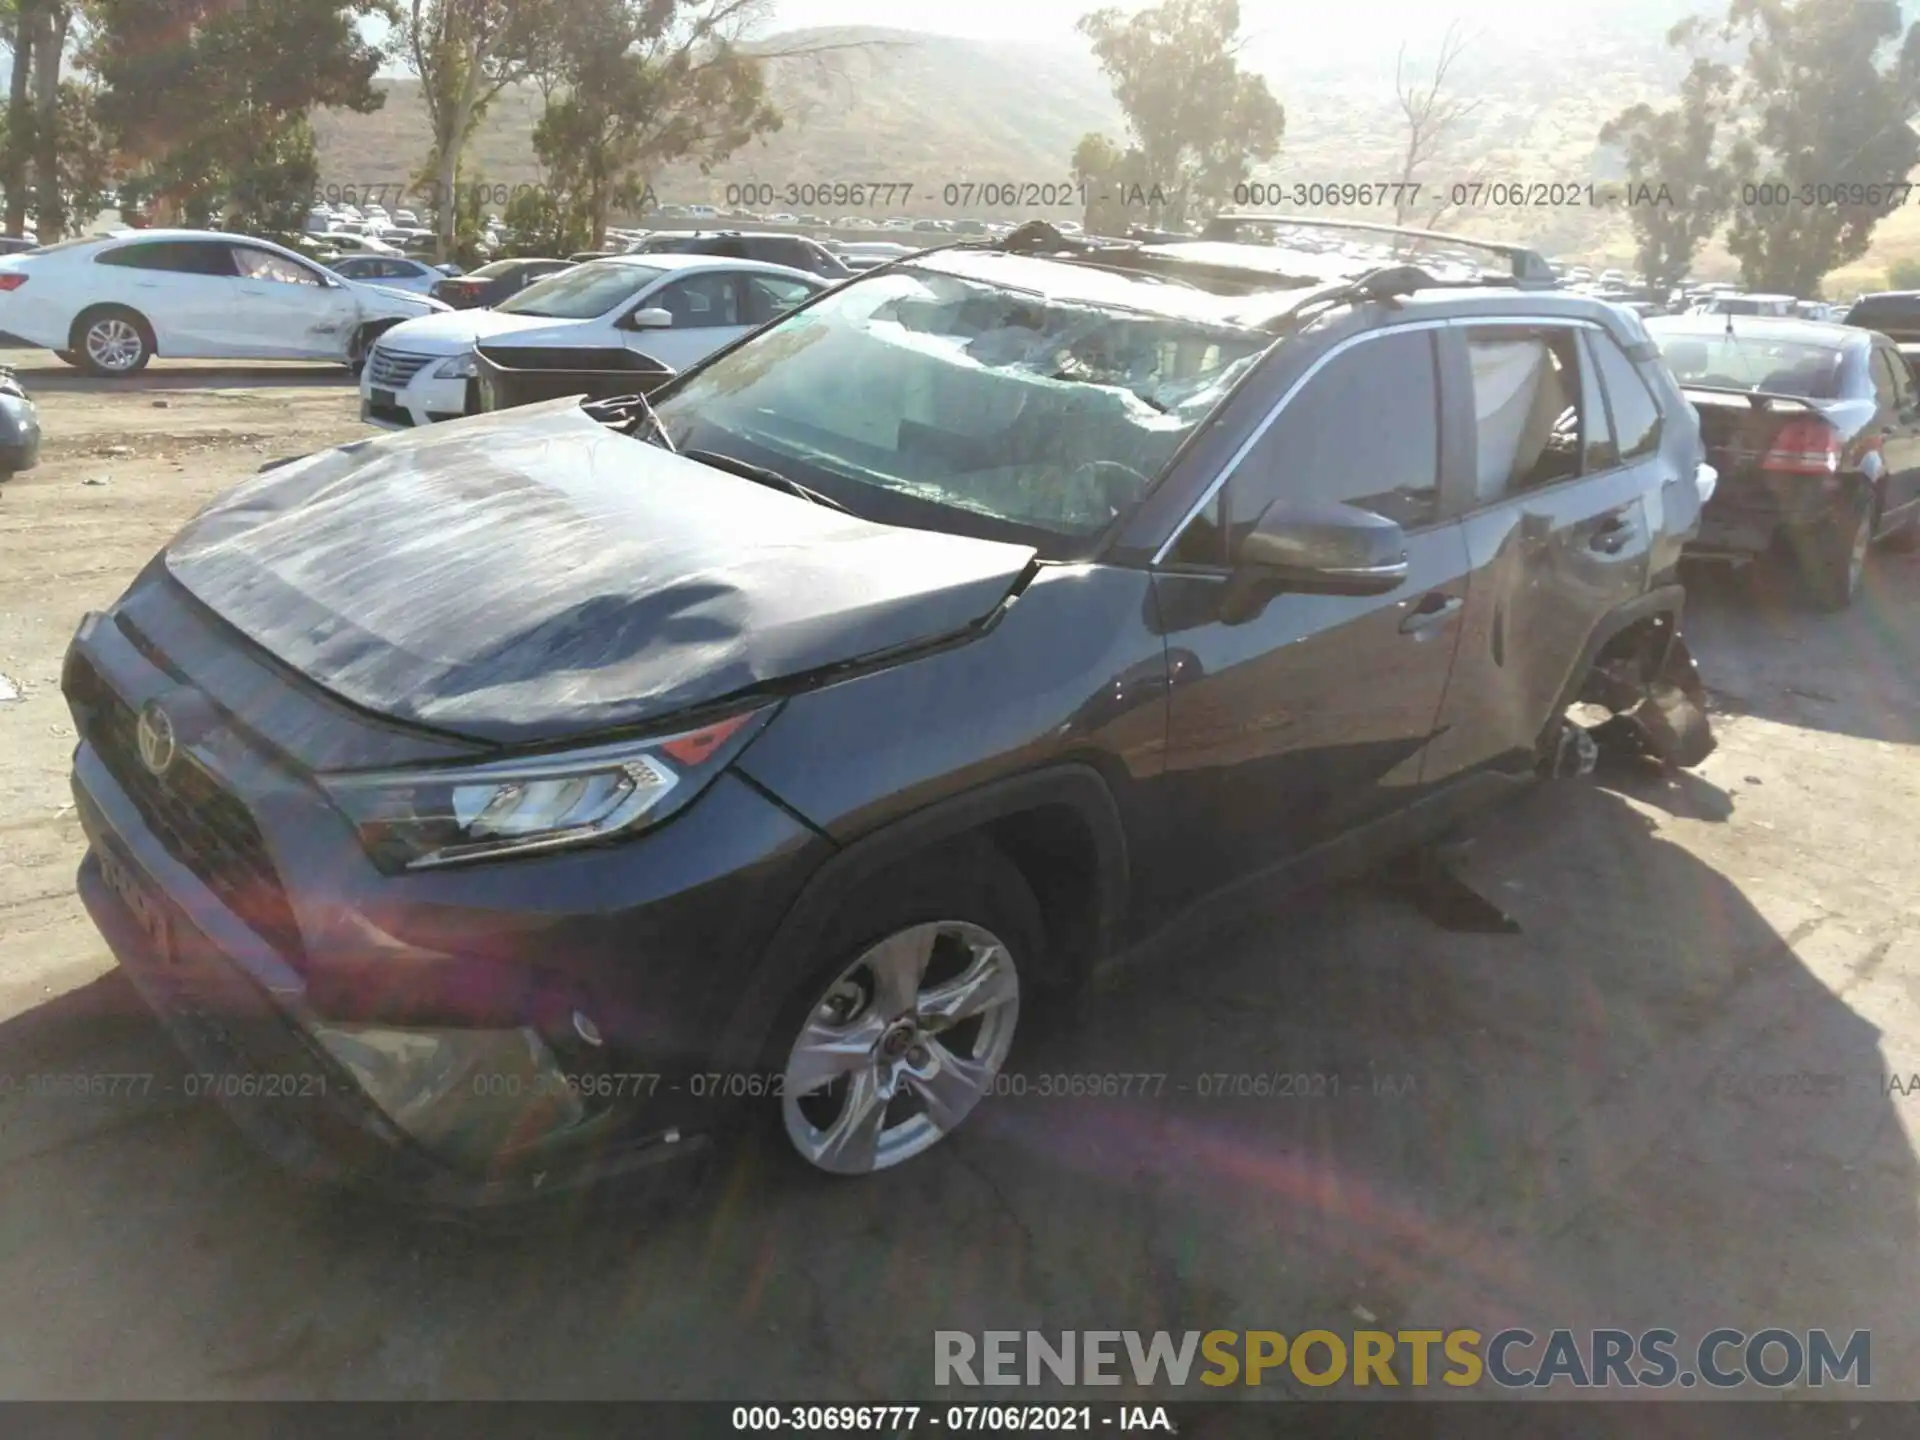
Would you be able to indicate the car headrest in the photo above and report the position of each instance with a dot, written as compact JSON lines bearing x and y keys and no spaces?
{"x":1687,"y":357}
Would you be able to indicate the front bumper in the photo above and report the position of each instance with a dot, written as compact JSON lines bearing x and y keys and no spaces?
{"x":423,"y":400}
{"x":649,"y":939}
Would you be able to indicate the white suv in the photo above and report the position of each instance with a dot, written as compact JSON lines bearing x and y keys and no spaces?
{"x":110,"y":305}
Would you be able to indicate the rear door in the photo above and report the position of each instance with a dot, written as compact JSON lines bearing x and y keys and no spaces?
{"x":1899,"y":424}
{"x":1564,"y":437}
{"x":1310,"y":718}
{"x":184,"y":288}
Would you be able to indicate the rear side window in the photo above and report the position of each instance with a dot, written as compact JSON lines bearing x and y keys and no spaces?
{"x":1527,"y":408}
{"x":1636,"y":414}
{"x":1892,"y":381}
{"x":179,"y":257}
{"x":1363,"y":431}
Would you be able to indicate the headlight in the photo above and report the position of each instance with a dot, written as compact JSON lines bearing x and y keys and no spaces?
{"x":461,"y":367}
{"x":418,"y":819}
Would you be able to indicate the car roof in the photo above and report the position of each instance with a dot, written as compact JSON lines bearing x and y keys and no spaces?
{"x":674,"y":260}
{"x":1787,"y":330}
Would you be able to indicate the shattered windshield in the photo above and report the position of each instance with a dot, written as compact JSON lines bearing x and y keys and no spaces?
{"x":1046,"y":414}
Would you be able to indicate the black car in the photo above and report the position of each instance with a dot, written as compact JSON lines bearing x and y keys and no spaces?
{"x":1895,"y":314}
{"x":502,"y":807}
{"x":486,"y":287}
{"x":796,"y":252}
{"x":1815,"y":432}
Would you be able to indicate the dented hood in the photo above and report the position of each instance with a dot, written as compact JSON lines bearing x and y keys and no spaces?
{"x":534,"y":575}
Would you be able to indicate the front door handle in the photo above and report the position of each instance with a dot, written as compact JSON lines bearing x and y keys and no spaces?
{"x":1434,"y":609}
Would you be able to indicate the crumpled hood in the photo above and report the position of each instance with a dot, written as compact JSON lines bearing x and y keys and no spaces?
{"x":532,"y":575}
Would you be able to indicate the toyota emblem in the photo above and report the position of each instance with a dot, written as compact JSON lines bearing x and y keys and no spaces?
{"x":155,"y":737}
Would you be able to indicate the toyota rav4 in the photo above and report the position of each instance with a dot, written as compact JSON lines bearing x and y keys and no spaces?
{"x":503,"y":806}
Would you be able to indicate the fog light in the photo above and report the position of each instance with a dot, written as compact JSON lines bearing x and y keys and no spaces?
{"x":470,"y":1096}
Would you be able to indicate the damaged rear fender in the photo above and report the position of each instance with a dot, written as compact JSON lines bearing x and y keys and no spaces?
{"x":1640,"y":669}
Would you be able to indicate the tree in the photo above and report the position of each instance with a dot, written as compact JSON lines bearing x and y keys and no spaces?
{"x":465,"y":53}
{"x":1198,"y":122}
{"x":17,"y":156}
{"x":1107,"y":175}
{"x":1675,"y":148}
{"x":1432,"y":116}
{"x":1904,"y":275}
{"x":1827,"y":138}
{"x":209,"y":99}
{"x":51,"y":20}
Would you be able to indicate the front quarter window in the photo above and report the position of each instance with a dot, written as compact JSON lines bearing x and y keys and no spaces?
{"x":927,"y":398}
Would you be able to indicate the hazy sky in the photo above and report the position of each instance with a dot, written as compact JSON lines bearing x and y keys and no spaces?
{"x":1273,"y":28}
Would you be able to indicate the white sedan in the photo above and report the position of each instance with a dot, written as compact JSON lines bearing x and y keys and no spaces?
{"x":675,"y":308}
{"x":111,"y":304}
{"x":390,"y":272}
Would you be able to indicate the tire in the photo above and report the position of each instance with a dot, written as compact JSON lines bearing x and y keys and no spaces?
{"x":1836,"y":559}
{"x":1906,"y":539}
{"x":957,"y":930}
{"x":359,"y":347}
{"x":112,"y":342}
{"x":67,"y":357}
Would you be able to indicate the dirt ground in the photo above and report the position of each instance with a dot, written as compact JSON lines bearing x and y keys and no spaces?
{"x":1580,"y":1127}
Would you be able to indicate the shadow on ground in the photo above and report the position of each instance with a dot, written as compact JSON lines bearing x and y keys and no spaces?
{"x":1565,"y":1127}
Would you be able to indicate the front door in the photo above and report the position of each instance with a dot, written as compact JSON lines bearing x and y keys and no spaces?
{"x":283,"y":308}
{"x":707,"y":312}
{"x":1287,"y":729}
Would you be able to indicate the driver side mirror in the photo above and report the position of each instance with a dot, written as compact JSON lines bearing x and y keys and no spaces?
{"x":1314,"y":547}
{"x":653,"y":319}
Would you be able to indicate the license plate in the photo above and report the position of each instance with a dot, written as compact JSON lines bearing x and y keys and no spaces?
{"x":384,"y":399}
{"x":142,"y":904}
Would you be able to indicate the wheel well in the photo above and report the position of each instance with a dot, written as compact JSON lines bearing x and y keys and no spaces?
{"x":1053,"y":848}
{"x":78,"y":329}
{"x":1629,"y":658}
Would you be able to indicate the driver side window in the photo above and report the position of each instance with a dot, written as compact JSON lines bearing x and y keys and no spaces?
{"x":699,"y":300}
{"x":265,"y":265}
{"x":1363,"y":431}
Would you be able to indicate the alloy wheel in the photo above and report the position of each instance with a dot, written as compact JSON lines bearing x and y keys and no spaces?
{"x":114,"y":344}
{"x":897,"y":1051}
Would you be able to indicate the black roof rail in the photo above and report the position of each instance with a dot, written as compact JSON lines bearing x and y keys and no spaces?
{"x":1529,"y":268}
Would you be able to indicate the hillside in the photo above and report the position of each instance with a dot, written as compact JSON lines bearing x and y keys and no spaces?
{"x":905,"y":106}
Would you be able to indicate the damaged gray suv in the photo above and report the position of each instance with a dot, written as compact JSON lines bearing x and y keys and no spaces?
{"x":522,"y":802}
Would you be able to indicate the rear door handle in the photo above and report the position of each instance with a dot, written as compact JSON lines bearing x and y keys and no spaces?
{"x":1435,"y":609}
{"x":1612,"y":536}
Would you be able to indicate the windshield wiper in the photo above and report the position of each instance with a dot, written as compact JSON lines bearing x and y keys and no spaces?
{"x":759,"y":474}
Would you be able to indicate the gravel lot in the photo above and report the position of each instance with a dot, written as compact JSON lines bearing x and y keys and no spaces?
{"x":1580,"y":1133}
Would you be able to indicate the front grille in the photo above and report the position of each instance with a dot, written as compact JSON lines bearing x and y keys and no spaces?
{"x":201,"y":825}
{"x":392,"y":369}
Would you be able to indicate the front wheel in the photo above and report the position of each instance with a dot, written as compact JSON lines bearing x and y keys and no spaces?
{"x":904,"y":1027}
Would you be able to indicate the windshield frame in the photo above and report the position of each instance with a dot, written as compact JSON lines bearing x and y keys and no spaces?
{"x":1055,"y":546}
{"x":513,"y":304}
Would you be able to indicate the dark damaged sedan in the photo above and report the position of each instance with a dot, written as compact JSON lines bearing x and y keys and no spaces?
{"x":498,"y":807}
